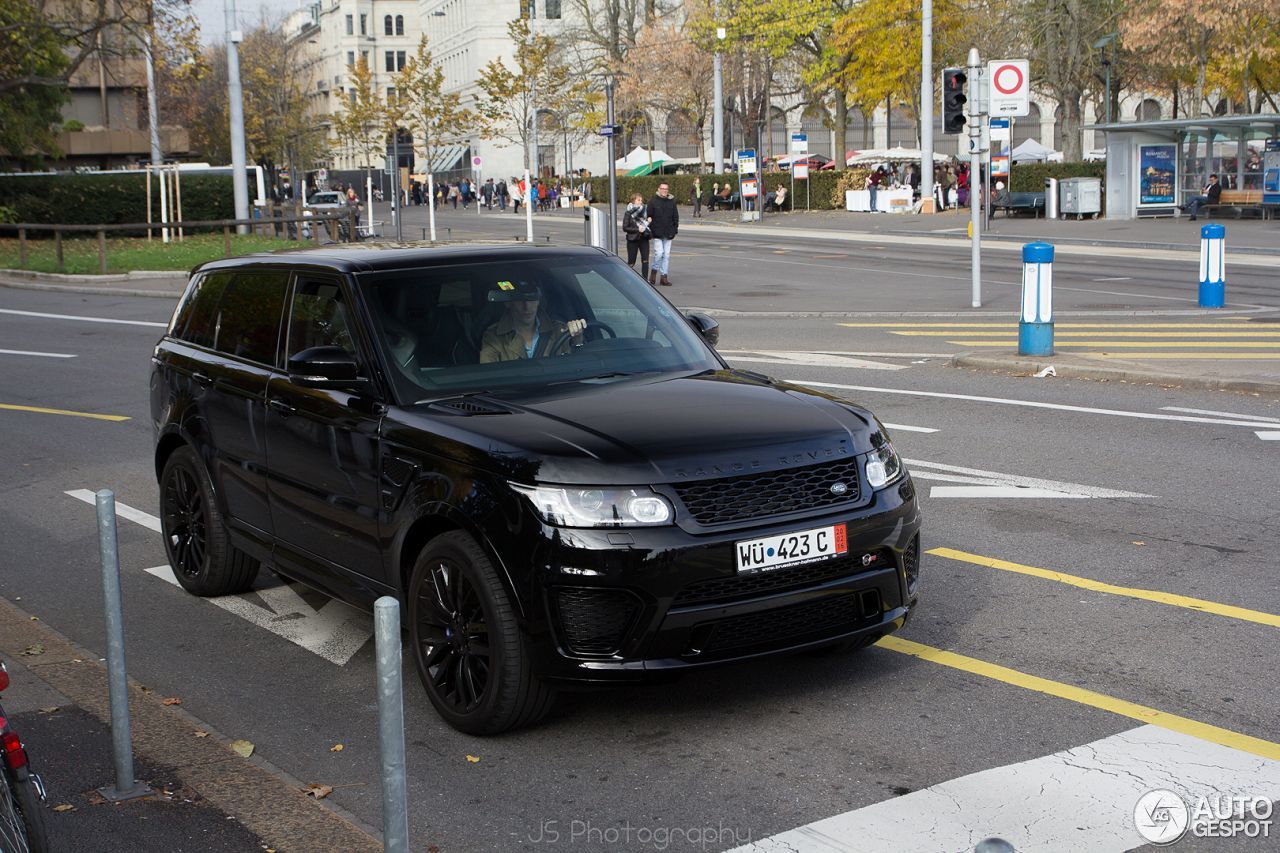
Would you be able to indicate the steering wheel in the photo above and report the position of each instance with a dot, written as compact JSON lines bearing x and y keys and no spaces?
{"x":566,"y":334}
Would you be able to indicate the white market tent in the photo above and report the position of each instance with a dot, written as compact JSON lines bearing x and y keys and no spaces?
{"x":884,"y":155}
{"x":641,"y":156}
{"x":1030,"y":151}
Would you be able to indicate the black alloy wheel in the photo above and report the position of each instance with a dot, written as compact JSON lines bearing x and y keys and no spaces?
{"x":195,"y":537}
{"x":467,"y":644}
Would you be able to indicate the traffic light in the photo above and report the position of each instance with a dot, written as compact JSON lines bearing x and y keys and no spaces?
{"x":953,"y":100}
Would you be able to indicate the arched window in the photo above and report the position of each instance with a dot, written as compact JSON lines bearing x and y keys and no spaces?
{"x":1150,"y":110}
{"x":682,"y":135}
{"x":902,"y":129}
{"x":637,"y":130}
{"x":386,"y":25}
{"x":1025,"y":127}
{"x":857,"y":132}
{"x":399,"y":25}
{"x":813,"y":122}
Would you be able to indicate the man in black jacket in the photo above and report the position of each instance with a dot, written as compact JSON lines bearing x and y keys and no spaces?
{"x":1212,"y":192}
{"x":664,"y":224}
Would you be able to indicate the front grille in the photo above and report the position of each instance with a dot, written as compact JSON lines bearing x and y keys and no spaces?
{"x":911,"y":563}
{"x":794,"y":623}
{"x":776,"y":492}
{"x":798,"y":577}
{"x":595,"y":621}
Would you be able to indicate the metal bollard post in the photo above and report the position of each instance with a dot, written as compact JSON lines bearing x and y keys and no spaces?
{"x":126,"y":787}
{"x":1035,"y":329}
{"x":1213,"y":266}
{"x":395,"y":797}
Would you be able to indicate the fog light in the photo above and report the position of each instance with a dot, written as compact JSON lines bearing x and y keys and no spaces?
{"x":650,"y":510}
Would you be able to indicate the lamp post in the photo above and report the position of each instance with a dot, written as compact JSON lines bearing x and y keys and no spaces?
{"x":1102,"y":44}
{"x":717,"y":116}
{"x":235,"y":99}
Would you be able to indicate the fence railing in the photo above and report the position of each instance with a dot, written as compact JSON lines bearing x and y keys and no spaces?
{"x":278,"y":224}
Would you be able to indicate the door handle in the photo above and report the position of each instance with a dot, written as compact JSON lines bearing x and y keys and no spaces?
{"x":202,"y":379}
{"x":281,"y":406}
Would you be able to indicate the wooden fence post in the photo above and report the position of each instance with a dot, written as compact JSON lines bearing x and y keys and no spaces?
{"x":22,"y":248}
{"x":57,"y":239}
{"x":102,"y":252}
{"x":226,"y":241}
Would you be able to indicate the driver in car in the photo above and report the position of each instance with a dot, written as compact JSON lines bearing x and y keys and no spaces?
{"x":524,"y":330}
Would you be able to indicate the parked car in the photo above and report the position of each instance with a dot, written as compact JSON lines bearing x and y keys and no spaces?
{"x":327,"y":202}
{"x":537,"y":454}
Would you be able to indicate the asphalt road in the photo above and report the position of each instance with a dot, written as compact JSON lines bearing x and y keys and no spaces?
{"x":1138,"y":493}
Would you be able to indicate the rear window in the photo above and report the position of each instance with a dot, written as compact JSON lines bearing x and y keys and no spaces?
{"x":198,"y":316}
{"x":248,"y":319}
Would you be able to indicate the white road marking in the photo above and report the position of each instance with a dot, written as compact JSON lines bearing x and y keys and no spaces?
{"x":1268,"y":435}
{"x":993,"y":484}
{"x":1220,"y":414}
{"x":137,"y":516}
{"x":813,"y":359}
{"x":84,"y":319}
{"x":1032,"y":404}
{"x":39,"y":354}
{"x":1116,"y":278}
{"x":1078,"y":799}
{"x":907,"y":428}
{"x":856,"y":354}
{"x":335,"y":632}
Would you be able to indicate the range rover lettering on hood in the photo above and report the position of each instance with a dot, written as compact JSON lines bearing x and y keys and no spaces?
{"x":726,"y":469}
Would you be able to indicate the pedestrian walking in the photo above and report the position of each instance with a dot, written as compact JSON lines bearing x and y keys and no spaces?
{"x":695,"y":196}
{"x":520,"y":195}
{"x":664,"y":224}
{"x":454,"y":195}
{"x":635,"y":224}
{"x":501,"y":191}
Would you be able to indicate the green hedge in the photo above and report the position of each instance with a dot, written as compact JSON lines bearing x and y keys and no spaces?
{"x":1030,"y":177}
{"x":820,"y":190}
{"x":110,"y":199}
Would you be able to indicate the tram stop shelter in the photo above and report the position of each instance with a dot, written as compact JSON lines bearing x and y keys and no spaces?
{"x":1153,"y":167}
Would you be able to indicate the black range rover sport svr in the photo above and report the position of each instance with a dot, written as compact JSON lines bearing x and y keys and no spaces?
{"x":543,"y":459}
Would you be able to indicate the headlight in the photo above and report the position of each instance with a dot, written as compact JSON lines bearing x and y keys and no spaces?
{"x":883,"y":467}
{"x":598,"y":507}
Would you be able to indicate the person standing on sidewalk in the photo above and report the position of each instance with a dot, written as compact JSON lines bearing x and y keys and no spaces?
{"x":695,"y":196}
{"x":635,"y":224}
{"x":664,"y":224}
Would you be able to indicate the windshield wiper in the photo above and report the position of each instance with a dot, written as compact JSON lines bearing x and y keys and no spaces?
{"x":612,"y":374}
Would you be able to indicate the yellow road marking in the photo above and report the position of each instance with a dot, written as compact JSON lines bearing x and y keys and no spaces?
{"x":1187,"y":355}
{"x":1228,"y":610}
{"x":1172,"y":722}
{"x":1014,"y":325}
{"x":1058,"y":333}
{"x":1122,"y":344}
{"x":63,"y":412}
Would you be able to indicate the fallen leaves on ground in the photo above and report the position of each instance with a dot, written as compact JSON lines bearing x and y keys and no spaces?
{"x":474,"y":759}
{"x":35,"y":618}
{"x":1139,"y":543}
{"x":50,"y":710}
{"x":64,"y":807}
{"x":242,"y":748}
{"x":317,"y":790}
{"x":337,"y":747}
{"x":172,"y":700}
{"x":201,"y":734}
{"x":34,"y":649}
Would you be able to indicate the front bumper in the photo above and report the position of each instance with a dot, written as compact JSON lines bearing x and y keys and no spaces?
{"x":625,"y":604}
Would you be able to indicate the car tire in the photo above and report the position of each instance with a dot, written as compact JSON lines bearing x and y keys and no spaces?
{"x":195,"y":536}
{"x":468,"y":647}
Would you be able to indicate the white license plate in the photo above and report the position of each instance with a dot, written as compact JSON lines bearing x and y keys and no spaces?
{"x":791,"y":549}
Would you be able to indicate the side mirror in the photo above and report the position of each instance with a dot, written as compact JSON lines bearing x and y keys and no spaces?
{"x":324,"y":367}
{"x":706,"y":326}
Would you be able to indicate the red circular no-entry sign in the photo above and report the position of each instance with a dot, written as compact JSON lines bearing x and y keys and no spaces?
{"x":1002,"y":76}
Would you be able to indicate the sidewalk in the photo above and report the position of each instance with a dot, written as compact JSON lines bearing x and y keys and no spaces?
{"x":207,"y":798}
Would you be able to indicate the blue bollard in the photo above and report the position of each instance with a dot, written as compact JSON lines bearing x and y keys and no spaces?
{"x":1035,"y":328}
{"x":1213,"y":266}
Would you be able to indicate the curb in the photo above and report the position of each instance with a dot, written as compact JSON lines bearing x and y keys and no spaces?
{"x":167,"y":283}
{"x":263,"y":798}
{"x":69,"y":288}
{"x":1112,"y":374}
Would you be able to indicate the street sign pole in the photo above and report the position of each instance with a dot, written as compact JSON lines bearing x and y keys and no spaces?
{"x":926,"y":104}
{"x":613,"y":167}
{"x":975,"y":178}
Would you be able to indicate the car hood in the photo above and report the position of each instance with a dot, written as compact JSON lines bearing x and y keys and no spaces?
{"x":642,"y":430}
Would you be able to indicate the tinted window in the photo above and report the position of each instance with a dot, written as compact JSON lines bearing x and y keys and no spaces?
{"x":198,"y":317}
{"x":320,"y":318}
{"x":248,"y":323}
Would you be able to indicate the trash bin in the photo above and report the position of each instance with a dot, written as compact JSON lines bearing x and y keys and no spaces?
{"x":1050,"y":198}
{"x":1081,"y":196}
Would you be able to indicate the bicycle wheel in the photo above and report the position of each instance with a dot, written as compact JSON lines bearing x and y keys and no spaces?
{"x":22,"y":828}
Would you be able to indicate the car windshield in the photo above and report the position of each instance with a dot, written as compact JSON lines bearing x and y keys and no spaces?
{"x":524,"y":324}
{"x":324,"y":198}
